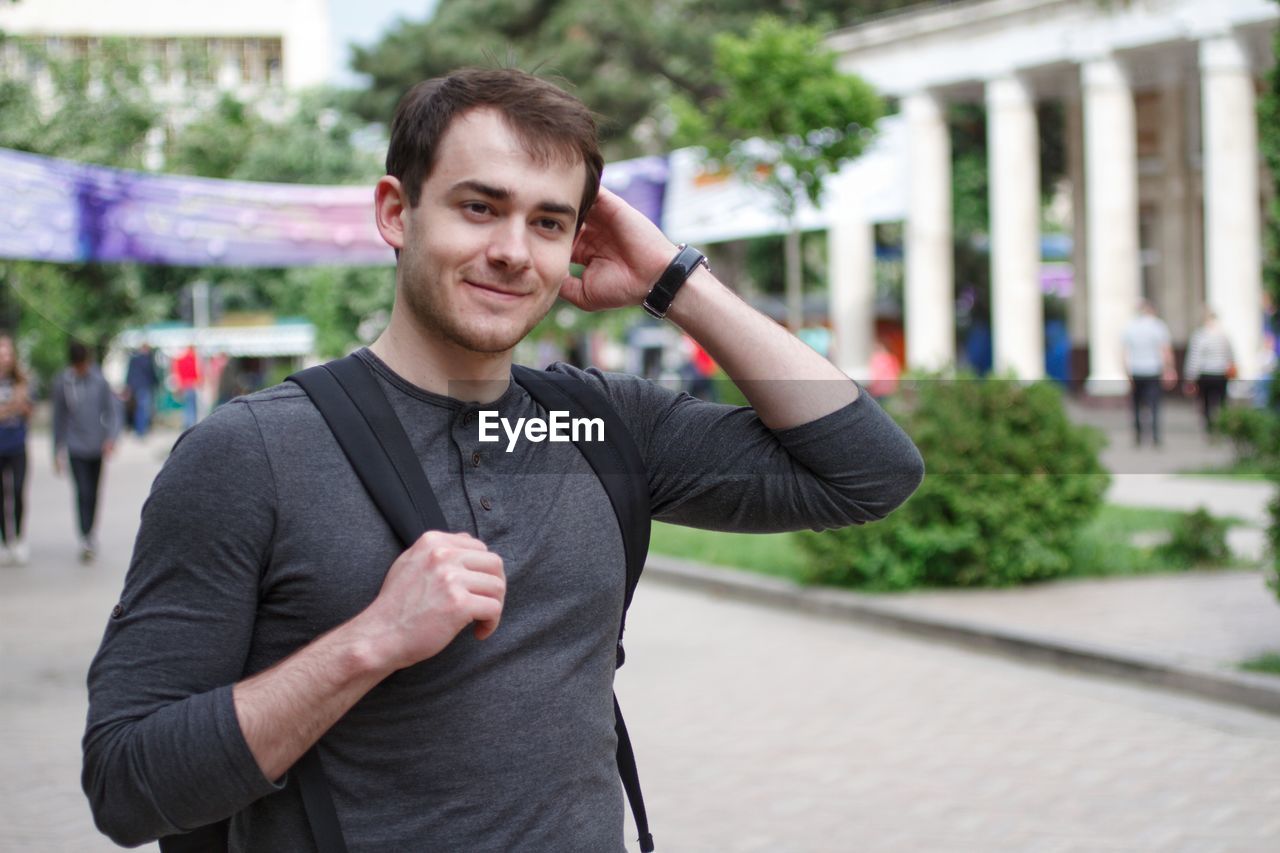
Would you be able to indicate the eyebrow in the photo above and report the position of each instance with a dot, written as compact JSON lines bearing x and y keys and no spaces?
{"x":503,"y":194}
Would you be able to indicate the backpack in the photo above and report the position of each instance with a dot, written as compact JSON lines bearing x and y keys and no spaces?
{"x":365,"y":426}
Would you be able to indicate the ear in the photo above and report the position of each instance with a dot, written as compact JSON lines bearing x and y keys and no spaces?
{"x":390,"y":206}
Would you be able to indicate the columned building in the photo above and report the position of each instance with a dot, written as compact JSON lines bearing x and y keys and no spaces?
{"x":1159,"y":101}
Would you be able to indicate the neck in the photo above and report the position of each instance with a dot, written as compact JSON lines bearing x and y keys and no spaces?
{"x":434,"y":364}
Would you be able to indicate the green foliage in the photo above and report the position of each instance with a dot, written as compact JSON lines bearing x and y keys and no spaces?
{"x":1010,"y":482}
{"x":779,"y":85}
{"x":311,"y":144}
{"x":1268,"y":664}
{"x":98,"y":111}
{"x":1198,"y":539}
{"x":626,"y":59}
{"x":1269,"y":143}
{"x":101,"y":111}
{"x":1255,"y":433}
{"x":348,"y":305}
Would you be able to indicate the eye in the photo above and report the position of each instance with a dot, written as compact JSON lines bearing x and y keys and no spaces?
{"x":477,"y":208}
{"x":546,"y":223}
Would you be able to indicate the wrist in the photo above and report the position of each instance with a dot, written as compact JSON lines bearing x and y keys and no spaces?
{"x":671,"y":280}
{"x":365,"y":653}
{"x":691,"y":298}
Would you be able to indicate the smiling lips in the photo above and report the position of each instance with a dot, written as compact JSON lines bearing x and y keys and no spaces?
{"x":496,"y":291}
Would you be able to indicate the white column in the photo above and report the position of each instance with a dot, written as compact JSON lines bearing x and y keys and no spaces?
{"x":1078,"y":305}
{"x":1175,"y":232}
{"x":852,"y":292}
{"x":1232,"y":220}
{"x":930,"y":263}
{"x":1111,"y":192}
{"x":1013,"y":150}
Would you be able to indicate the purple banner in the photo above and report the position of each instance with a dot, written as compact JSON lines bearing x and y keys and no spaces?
{"x":64,"y":211}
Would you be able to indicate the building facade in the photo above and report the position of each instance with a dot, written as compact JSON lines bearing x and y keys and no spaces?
{"x":251,"y":47}
{"x":1166,"y":180}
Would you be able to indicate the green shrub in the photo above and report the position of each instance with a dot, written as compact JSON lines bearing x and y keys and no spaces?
{"x":1251,"y":430}
{"x":1198,"y":539}
{"x":1009,"y":482}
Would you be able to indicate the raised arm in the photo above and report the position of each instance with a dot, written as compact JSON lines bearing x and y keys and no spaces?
{"x":787,"y":383}
{"x":812,"y":452}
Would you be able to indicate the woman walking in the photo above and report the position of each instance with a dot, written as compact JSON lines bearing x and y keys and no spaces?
{"x":1208,"y":367}
{"x":15,"y":407}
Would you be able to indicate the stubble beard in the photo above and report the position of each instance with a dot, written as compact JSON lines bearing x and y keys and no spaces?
{"x":428,"y":309}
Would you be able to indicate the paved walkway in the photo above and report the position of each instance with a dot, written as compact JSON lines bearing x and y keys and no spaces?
{"x":759,"y":729}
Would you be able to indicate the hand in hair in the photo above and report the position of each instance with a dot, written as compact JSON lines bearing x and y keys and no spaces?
{"x":622,"y":253}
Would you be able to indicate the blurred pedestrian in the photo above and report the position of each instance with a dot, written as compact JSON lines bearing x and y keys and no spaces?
{"x":1209,"y":364}
{"x":86,"y":423}
{"x":15,"y":408}
{"x":1148,"y":360}
{"x":885,"y":371}
{"x":186,"y":386}
{"x":140,"y":383}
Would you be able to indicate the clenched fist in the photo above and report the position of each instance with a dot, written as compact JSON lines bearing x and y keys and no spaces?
{"x":441,"y":584}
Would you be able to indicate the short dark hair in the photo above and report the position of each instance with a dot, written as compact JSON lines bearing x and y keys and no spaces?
{"x":549,"y":121}
{"x":77,"y":353}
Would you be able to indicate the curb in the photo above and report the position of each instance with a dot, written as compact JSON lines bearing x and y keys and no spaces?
{"x":1261,"y":693}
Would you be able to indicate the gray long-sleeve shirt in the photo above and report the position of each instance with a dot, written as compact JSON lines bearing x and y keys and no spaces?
{"x":258,"y":536}
{"x":85,"y":413}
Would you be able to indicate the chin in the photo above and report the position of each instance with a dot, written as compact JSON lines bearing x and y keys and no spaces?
{"x":492,"y":340}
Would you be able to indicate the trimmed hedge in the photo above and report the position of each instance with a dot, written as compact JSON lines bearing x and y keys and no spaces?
{"x":1009,"y":482}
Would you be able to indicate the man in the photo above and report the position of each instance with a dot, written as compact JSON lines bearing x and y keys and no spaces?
{"x":140,"y":382}
{"x":260,"y":615}
{"x":86,"y":423}
{"x":1148,"y":359}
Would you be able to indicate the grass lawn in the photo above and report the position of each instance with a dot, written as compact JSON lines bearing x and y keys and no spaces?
{"x":1266,"y":664}
{"x":1102,"y":549}
{"x":1249,"y":470}
{"x":766,"y":553}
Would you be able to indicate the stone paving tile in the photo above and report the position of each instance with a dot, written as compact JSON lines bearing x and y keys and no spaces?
{"x":754,"y":724}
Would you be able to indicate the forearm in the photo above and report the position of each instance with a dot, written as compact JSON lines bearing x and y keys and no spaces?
{"x":786,"y":382}
{"x":284,"y":710}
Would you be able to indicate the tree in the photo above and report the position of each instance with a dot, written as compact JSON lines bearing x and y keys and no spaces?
{"x":785,"y":119}
{"x":97,"y":111}
{"x":625,"y":59}
{"x":312,"y":144}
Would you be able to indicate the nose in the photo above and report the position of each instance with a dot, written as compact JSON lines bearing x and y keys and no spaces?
{"x":509,"y":245}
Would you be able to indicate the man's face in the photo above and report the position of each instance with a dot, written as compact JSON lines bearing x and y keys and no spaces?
{"x":487,"y":247}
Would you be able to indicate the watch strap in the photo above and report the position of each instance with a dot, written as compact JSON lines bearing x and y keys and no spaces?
{"x":687,"y":259}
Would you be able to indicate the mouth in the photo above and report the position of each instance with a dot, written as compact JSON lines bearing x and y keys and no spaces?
{"x":496,"y":291}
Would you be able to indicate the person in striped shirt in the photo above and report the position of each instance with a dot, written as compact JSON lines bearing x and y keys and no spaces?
{"x":1208,"y":365}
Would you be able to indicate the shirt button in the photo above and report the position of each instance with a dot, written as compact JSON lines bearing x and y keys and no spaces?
{"x":475,"y":459}
{"x":117,"y":611}
{"x":469,"y":418}
{"x":486,"y":503}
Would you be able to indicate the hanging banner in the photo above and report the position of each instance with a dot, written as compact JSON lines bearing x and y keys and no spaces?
{"x":63,"y":211}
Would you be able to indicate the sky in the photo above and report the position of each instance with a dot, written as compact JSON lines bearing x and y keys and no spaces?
{"x":362,"y":22}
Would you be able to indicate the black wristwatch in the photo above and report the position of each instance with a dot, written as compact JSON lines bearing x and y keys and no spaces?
{"x":687,"y":259}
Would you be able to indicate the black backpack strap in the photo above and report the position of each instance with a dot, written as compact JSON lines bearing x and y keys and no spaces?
{"x":347,"y":395}
{"x":365,"y":426}
{"x":318,"y":803}
{"x":631,"y":778}
{"x":620,"y":467}
{"x":616,"y":460}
